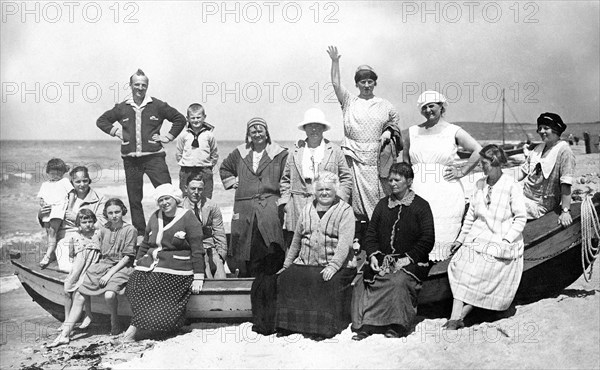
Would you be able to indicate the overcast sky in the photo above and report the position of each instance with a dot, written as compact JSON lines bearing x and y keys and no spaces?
{"x":65,"y":63}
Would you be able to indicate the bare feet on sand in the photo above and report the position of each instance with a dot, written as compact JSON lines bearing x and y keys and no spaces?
{"x":59,"y":341}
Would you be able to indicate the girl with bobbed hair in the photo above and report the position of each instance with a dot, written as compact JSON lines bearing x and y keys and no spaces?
{"x":110,"y":275}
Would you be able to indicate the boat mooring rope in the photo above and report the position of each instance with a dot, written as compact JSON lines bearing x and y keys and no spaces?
{"x":590,"y":228}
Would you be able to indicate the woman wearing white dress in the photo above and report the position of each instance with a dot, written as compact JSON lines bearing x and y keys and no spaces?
{"x":486,"y":271}
{"x":431,"y":148}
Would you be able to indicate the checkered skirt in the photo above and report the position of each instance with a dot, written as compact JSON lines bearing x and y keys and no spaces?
{"x":483,"y":280}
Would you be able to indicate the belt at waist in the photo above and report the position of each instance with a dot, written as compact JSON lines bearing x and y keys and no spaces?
{"x":261,"y":196}
{"x":191,"y":168}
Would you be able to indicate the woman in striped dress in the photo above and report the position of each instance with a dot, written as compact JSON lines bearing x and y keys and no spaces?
{"x":486,"y":268}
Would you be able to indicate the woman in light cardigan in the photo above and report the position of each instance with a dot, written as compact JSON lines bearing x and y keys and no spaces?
{"x":169,"y":266}
{"x":314,"y":284}
{"x":486,"y":271}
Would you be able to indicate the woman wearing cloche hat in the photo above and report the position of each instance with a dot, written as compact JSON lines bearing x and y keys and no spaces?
{"x":254,"y":169}
{"x":370,"y":123}
{"x":549,"y":171}
{"x":308,"y":159}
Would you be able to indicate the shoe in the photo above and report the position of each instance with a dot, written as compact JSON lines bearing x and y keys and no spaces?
{"x":262,"y":331}
{"x":45,"y":262}
{"x":59,"y":341}
{"x":454,"y":324}
{"x":283,"y":333}
{"x":391,"y":333}
{"x":360,"y":335}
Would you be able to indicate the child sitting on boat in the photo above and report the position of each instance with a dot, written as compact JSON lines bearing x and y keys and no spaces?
{"x":110,"y":275}
{"x":84,"y":250}
{"x":55,"y":196}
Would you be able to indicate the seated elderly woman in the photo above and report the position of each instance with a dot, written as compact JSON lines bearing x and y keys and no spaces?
{"x":548,"y":172}
{"x":485,"y":272}
{"x":169,"y":266}
{"x":398,"y":241}
{"x":314,"y":284}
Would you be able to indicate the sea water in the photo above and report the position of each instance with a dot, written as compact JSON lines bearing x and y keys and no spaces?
{"x":23,"y":171}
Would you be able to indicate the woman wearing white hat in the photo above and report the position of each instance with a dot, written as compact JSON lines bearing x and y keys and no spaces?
{"x":169,"y":266}
{"x":370,"y":123}
{"x":308,"y":159}
{"x":431,"y":147}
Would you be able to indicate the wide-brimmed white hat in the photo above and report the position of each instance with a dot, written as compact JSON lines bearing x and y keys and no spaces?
{"x":167,"y":189}
{"x":431,"y":96}
{"x":314,"y":115}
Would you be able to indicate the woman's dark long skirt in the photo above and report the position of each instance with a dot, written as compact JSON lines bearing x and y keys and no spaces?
{"x":307,"y":304}
{"x":158,"y":300}
{"x":390,"y":301}
{"x":264,"y":263}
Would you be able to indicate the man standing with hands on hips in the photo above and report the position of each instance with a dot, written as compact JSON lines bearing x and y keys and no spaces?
{"x":141,"y":118}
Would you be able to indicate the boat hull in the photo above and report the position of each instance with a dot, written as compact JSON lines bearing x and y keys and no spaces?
{"x":552,"y":262}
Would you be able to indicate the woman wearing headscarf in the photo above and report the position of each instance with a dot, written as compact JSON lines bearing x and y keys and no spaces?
{"x":309,"y":158}
{"x":169,"y":266}
{"x":548,"y":171}
{"x":370,"y":126}
{"x":431,"y":147}
{"x":398,"y":241}
{"x":314,"y":285}
{"x":486,"y":269}
{"x":254,"y":169}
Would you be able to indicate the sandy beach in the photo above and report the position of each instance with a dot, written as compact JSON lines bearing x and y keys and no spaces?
{"x":556,"y":332}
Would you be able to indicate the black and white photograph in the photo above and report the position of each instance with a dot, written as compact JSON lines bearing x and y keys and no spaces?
{"x":306,"y":184}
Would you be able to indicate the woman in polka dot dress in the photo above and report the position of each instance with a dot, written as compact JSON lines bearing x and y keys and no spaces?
{"x":169,"y":267}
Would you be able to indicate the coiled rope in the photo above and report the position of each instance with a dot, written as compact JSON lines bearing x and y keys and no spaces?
{"x":590,"y":228}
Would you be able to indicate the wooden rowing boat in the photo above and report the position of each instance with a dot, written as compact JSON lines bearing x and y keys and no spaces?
{"x":552,"y":262}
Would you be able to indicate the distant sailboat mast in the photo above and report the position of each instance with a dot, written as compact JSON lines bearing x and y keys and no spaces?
{"x":503,"y":128}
